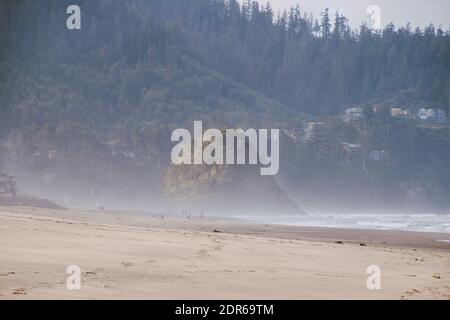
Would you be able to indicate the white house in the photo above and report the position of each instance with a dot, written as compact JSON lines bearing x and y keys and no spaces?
{"x":352,"y":148}
{"x":377,"y":155}
{"x":353,"y":114}
{"x":432,"y":115}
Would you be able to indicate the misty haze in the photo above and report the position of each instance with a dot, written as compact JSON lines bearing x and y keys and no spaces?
{"x":90,"y":98}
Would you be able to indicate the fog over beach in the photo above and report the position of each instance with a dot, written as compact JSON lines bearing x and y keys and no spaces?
{"x":224,"y":149}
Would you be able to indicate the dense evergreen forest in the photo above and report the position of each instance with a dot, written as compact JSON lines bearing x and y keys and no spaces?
{"x":154,"y":59}
{"x":137,"y":69}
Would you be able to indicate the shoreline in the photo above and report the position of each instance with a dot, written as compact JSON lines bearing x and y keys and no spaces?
{"x":126,"y":256}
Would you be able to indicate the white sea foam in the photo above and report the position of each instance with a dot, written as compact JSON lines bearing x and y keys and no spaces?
{"x":402,"y":222}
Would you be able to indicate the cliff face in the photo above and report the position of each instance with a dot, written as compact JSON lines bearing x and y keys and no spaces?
{"x":225,"y":190}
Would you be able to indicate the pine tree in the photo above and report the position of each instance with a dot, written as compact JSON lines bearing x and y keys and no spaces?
{"x":325,"y":24}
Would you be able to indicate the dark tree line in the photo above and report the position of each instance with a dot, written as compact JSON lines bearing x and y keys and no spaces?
{"x":313,"y":65}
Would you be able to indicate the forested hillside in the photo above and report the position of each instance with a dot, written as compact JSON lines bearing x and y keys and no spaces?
{"x":103,"y":100}
{"x":151,"y":59}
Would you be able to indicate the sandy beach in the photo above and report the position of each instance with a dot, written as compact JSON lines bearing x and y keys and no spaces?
{"x":136,"y":256}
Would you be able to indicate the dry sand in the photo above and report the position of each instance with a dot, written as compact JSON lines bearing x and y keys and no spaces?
{"x":132,"y":256}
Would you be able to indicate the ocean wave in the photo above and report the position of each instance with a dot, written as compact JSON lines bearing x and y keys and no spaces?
{"x":401,"y":222}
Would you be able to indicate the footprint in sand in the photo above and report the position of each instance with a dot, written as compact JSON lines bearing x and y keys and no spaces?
{"x":271,"y":271}
{"x":20,"y":291}
{"x":127,"y":264}
{"x":410,"y":293}
{"x":203,"y":253}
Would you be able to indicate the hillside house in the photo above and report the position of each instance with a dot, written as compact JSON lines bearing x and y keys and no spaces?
{"x":399,"y":113}
{"x":432,"y":115}
{"x":378,"y":155}
{"x":353,"y":114}
{"x":351,"y":148}
{"x":311,"y":130}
